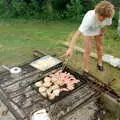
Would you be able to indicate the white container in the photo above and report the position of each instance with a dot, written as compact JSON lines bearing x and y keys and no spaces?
{"x":115,"y":62}
{"x":107,"y":58}
{"x":45,"y":62}
{"x":15,"y":71}
{"x":40,"y":115}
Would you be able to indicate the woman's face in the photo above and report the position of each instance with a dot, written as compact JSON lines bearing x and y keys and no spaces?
{"x":101,"y":18}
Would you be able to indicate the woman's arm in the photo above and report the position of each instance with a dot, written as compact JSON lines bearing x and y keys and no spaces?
{"x":74,"y":39}
{"x":73,"y":43}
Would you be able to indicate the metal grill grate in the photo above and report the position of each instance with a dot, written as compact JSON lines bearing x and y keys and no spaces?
{"x":22,"y":100}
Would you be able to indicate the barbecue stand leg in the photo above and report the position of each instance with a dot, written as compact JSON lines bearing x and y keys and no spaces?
{"x":16,"y":111}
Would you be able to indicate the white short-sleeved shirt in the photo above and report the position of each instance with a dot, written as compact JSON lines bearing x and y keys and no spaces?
{"x":91,"y":26}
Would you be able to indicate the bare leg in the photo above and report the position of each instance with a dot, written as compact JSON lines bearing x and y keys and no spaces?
{"x":87,"y":47}
{"x":99,"y":45}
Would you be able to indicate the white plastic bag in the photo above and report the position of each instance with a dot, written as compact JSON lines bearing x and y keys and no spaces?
{"x":107,"y":58}
{"x":40,"y":115}
{"x":115,"y":62}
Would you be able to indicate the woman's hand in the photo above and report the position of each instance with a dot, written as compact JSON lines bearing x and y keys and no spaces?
{"x":69,"y":52}
{"x":102,"y":31}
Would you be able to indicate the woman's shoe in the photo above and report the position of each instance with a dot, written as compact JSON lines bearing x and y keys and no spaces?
{"x":100,"y":67}
{"x":85,"y":74}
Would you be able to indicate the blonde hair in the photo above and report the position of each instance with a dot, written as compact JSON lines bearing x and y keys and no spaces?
{"x":105,"y":8}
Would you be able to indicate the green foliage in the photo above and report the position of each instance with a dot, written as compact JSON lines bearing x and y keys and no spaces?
{"x":59,"y":5}
{"x":88,"y":4}
{"x":1,"y":7}
{"x":48,"y":9}
{"x":23,"y":8}
{"x":19,"y":7}
{"x":74,"y":10}
{"x":115,"y":18}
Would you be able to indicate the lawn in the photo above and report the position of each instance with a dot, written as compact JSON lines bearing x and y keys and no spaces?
{"x":18,"y":38}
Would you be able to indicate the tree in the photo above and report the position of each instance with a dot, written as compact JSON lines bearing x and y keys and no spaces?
{"x":117,"y":5}
{"x":8,"y":3}
{"x":119,"y":23}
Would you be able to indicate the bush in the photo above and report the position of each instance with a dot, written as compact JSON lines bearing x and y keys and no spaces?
{"x":115,"y":18}
{"x":74,"y":10}
{"x":49,"y":9}
{"x":21,"y":8}
{"x":59,"y":5}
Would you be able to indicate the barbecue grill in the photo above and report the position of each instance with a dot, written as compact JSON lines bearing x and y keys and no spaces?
{"x":22,"y":98}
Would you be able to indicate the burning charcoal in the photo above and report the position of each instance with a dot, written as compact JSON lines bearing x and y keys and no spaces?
{"x":53,"y":79}
{"x":64,"y":89}
{"x":47,"y":79}
{"x":56,"y":92}
{"x":54,"y":87}
{"x":52,"y":84}
{"x":42,"y":89}
{"x":49,"y":91}
{"x":59,"y":82}
{"x":51,"y":96}
{"x":47,"y":84}
{"x":44,"y":94}
{"x":70,"y":87}
{"x":38,"y":84}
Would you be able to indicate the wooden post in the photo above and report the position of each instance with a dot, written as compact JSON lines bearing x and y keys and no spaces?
{"x":116,"y":3}
{"x":119,"y":23}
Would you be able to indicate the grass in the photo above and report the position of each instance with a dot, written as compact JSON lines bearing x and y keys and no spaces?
{"x":28,"y":35}
{"x":111,"y":42}
{"x":18,"y":38}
